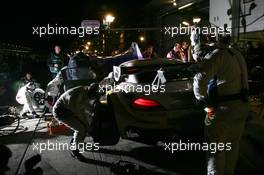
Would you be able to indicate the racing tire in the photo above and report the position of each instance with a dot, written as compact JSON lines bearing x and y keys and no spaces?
{"x":105,"y":131}
{"x":39,"y":96}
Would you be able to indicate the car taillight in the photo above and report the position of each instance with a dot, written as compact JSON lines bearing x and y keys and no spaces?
{"x":144,"y":103}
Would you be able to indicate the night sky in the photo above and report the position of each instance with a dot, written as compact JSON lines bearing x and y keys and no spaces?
{"x":18,"y":17}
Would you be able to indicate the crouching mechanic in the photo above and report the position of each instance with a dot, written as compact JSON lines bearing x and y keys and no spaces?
{"x":75,"y":108}
{"x":27,"y":92}
{"x":227,"y":68}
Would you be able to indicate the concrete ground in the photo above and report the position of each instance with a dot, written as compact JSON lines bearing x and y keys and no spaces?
{"x":152,"y":160}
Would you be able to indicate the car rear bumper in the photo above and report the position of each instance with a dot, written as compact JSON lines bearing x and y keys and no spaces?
{"x":156,"y":123}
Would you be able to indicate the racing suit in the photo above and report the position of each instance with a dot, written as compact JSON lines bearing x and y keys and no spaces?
{"x":229,"y":69}
{"x":75,"y":108}
{"x":30,"y":103}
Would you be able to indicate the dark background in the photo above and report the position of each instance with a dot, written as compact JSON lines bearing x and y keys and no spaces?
{"x":18,"y":17}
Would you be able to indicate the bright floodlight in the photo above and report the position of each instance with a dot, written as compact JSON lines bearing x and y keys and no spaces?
{"x":109,"y":18}
{"x":186,"y":5}
{"x":185,"y":23}
{"x":196,"y":20}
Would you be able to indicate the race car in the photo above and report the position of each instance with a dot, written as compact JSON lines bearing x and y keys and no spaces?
{"x":153,"y":100}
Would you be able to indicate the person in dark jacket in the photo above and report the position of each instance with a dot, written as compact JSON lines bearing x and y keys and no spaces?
{"x":55,"y":61}
{"x":149,"y":53}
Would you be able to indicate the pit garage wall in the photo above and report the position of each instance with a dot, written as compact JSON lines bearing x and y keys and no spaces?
{"x":218,"y":14}
{"x":172,"y":18}
{"x":255,"y":21}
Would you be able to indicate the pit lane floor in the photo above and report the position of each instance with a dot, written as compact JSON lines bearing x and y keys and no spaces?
{"x":153,"y":160}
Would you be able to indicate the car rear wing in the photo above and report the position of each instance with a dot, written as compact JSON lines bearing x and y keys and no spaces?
{"x":148,"y":73}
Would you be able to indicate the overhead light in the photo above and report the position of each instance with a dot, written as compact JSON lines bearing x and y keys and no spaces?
{"x":86,"y":47}
{"x":185,"y":23}
{"x":109,"y":18}
{"x":196,"y":20}
{"x":186,"y":5}
{"x":174,"y":4}
{"x":142,"y":38}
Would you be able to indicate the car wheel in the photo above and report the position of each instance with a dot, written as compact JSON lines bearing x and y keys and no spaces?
{"x":105,"y":129}
{"x":39,"y":97}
